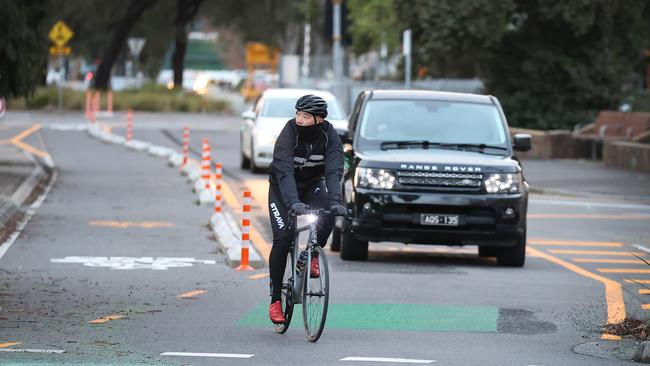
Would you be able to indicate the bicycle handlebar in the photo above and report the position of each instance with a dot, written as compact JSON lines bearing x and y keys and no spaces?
{"x":320,"y":211}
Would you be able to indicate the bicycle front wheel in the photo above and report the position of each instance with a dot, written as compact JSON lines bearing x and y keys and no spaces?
{"x":315,"y":297}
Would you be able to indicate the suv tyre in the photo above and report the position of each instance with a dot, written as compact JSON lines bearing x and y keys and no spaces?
{"x":353,"y":249}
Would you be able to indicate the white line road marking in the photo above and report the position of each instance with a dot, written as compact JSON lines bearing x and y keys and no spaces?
{"x":385,"y":359}
{"x":219,"y":355}
{"x":641,"y":247}
{"x":28,"y":350}
{"x":591,"y":204}
{"x":128,"y":263}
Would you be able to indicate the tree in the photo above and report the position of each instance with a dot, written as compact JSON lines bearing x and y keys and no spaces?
{"x":23,"y":46}
{"x":373,"y":22}
{"x":565,"y":61}
{"x":552,"y":64}
{"x":185,"y":12}
{"x":121,"y":33}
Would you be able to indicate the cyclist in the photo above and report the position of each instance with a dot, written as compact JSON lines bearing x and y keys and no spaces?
{"x":305,"y":173}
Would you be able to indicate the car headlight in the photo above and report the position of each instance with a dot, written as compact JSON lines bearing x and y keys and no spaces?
{"x":503,"y":183}
{"x":263,"y":137}
{"x":374,"y":178}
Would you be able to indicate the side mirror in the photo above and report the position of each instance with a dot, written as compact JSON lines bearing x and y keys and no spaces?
{"x":249,"y":115}
{"x":522,"y":142}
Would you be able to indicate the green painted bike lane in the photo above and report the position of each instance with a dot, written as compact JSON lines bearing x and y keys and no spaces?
{"x":399,"y":317}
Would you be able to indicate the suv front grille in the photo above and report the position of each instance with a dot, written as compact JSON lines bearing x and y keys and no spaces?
{"x":440,"y":179}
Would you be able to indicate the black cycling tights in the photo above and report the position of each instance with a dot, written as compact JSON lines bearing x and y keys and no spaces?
{"x":314,"y":196}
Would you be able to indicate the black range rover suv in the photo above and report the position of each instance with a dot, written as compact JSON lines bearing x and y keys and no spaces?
{"x":427,"y":167}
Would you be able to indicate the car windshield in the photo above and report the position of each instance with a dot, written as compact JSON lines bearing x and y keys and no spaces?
{"x":284,"y":108}
{"x":436,"y":123}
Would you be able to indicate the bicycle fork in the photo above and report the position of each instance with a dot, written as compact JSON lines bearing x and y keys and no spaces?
{"x":299,"y":277}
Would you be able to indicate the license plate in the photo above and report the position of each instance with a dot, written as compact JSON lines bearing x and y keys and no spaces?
{"x":439,"y":220}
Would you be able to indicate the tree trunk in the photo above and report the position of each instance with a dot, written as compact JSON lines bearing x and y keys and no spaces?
{"x":121,"y":33}
{"x":185,"y":11}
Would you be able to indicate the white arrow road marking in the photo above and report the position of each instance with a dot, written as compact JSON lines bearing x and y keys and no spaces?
{"x":385,"y":359}
{"x":219,"y":355}
{"x":127,"y":263}
{"x":29,"y":350}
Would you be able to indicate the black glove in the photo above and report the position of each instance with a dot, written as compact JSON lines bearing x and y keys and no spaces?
{"x":338,"y":209}
{"x":299,"y":208}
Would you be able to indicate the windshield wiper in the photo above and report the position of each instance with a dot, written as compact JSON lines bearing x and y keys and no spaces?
{"x":479,"y":146}
{"x":405,"y":144}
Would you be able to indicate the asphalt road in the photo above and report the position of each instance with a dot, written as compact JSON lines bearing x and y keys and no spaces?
{"x":165,"y":289}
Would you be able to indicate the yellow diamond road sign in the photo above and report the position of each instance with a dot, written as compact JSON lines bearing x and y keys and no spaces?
{"x":60,"y":34}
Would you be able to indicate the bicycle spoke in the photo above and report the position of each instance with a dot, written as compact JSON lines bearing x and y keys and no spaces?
{"x":315,"y":298}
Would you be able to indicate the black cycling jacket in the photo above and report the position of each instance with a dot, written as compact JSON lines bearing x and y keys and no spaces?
{"x":299,"y":164}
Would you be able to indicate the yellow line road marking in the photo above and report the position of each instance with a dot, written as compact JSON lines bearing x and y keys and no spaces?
{"x":26,"y":133}
{"x":191,"y":294}
{"x":577,"y":243}
{"x":603,"y":260}
{"x":610,"y":337}
{"x":623,"y":270}
{"x":106,"y":319}
{"x":589,"y":216}
{"x":613,"y":290}
{"x":595,"y":252}
{"x":644,"y":291}
{"x":9,"y":344}
{"x":129,"y":224}
{"x":642,"y":282}
{"x":258,"y":276}
{"x":31,"y":149}
{"x":257,"y":240}
{"x":645,"y":306}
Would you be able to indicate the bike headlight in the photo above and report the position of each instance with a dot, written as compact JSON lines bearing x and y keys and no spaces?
{"x":264,"y":137}
{"x":503,"y":183}
{"x":311,"y":218}
{"x":374,"y":178}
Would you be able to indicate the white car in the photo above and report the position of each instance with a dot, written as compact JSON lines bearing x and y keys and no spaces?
{"x":262,"y":124}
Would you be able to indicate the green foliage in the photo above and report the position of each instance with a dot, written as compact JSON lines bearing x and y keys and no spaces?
{"x":151,"y":98}
{"x":566,"y":61}
{"x":371,"y":23}
{"x":23,"y":47}
{"x":552,"y":64}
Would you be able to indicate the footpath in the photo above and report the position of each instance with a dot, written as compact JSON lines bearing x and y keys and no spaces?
{"x":586,"y":180}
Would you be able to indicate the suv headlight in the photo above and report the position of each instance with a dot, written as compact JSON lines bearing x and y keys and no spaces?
{"x":374,"y":178}
{"x":503,"y":183}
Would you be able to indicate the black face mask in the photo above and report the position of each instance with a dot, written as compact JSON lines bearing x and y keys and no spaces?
{"x":309,"y":133}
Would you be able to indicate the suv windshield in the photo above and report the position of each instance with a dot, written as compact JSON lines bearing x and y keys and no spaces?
{"x":440,"y":124}
{"x":285,"y":108}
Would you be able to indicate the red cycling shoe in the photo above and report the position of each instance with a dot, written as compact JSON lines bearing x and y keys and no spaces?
{"x":315,"y":270}
{"x":276,"y":314}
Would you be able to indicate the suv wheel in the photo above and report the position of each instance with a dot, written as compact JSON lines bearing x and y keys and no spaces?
{"x":353,"y":249}
{"x":244,"y":162}
{"x":487,"y":251}
{"x":514,"y":256}
{"x":335,"y":245}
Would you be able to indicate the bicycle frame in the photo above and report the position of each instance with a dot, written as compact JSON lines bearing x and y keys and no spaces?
{"x":298,"y":278}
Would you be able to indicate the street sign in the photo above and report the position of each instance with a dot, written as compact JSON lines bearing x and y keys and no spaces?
{"x":135,"y":45}
{"x":60,"y":34}
{"x":60,"y":51}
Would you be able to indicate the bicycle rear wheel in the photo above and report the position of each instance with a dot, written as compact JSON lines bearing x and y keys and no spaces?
{"x":315,"y":297}
{"x":287,"y":297}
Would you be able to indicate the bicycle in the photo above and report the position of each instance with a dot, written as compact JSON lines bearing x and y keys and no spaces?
{"x":299,"y":287}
